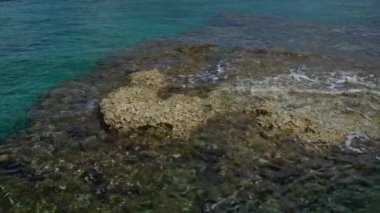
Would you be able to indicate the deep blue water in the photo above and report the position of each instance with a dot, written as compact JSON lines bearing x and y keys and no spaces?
{"x":45,"y":42}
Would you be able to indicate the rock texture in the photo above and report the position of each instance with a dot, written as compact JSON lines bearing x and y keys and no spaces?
{"x":137,"y":107}
{"x":308,"y":117}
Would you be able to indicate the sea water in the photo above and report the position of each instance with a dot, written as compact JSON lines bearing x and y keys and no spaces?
{"x":43,"y":43}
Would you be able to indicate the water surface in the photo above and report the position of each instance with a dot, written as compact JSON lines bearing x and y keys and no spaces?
{"x":288,"y":92}
{"x":45,"y":42}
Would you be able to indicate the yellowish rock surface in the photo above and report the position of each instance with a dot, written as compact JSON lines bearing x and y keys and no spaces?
{"x":138,"y":107}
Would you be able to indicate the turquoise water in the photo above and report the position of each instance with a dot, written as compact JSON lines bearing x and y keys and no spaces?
{"x":45,"y":42}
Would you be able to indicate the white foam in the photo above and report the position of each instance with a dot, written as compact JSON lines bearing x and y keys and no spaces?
{"x":303,"y":79}
{"x":339,"y":79}
{"x":213,"y":75}
{"x":278,"y":89}
{"x":300,"y":79}
{"x":220,"y":68}
{"x":358,"y":136}
{"x":299,"y":75}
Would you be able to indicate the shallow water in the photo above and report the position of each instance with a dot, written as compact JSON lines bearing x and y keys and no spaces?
{"x":45,"y":42}
{"x":263,"y":149}
{"x":289,"y":93}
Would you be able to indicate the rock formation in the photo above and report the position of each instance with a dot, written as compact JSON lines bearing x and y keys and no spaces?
{"x":138,"y":107}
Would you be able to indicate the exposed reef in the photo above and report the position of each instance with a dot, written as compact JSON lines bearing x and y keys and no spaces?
{"x":137,"y":107}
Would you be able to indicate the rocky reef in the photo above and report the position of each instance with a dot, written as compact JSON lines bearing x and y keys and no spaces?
{"x":197,"y":127}
{"x":138,"y":107}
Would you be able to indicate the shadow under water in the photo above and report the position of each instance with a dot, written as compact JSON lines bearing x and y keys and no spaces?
{"x":266,"y":153}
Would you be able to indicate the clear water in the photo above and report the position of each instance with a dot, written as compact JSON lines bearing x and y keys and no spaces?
{"x":45,"y":42}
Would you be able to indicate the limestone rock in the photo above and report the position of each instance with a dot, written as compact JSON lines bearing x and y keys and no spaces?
{"x":138,"y":107}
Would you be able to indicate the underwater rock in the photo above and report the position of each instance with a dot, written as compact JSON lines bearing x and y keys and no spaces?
{"x":94,"y":176}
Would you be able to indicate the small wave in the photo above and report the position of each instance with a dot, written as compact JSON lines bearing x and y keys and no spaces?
{"x":302,"y":79}
{"x":255,"y":90}
{"x":213,"y":74}
{"x":300,"y":75}
{"x":339,"y":79}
